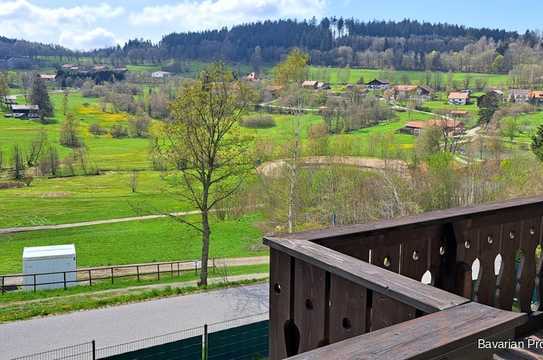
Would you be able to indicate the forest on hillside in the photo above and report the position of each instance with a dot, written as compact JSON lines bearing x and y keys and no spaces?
{"x":403,"y":45}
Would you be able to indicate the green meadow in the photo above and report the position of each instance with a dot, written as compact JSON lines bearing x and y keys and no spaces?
{"x":399,"y":76}
{"x":139,"y":242}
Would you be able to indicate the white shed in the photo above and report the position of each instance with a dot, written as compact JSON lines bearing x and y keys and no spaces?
{"x":59,"y":260}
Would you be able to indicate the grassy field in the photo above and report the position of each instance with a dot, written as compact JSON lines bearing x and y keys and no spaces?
{"x":139,"y":241}
{"x":526,"y":127}
{"x":382,"y":140}
{"x":86,"y":198}
{"x":398,"y":76}
{"x":104,"y":152}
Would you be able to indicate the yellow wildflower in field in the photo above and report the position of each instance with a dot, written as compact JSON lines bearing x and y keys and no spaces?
{"x":96,"y":112}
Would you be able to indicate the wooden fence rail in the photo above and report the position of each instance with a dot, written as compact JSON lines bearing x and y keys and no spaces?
{"x":334,"y":284}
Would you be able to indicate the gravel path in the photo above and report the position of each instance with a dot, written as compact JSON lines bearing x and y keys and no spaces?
{"x":125,"y":323}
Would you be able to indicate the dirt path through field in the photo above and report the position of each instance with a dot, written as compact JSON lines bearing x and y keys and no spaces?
{"x":273,"y":168}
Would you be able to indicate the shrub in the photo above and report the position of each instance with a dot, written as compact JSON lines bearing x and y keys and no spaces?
{"x":139,"y":126}
{"x":96,"y":130}
{"x":118,"y":131}
{"x":258,"y":122}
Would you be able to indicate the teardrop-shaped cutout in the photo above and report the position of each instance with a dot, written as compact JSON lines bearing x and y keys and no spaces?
{"x":498,"y":263}
{"x":475,"y":269}
{"x":292,"y":338}
{"x":426,"y":278}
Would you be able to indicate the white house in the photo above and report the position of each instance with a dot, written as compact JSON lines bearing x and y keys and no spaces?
{"x":160,"y":74}
{"x":459,"y":98}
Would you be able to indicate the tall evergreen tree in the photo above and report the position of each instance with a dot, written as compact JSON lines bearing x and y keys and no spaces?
{"x":40,"y":96}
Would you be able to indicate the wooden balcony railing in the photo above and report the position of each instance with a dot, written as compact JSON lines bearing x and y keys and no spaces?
{"x":363,"y":283}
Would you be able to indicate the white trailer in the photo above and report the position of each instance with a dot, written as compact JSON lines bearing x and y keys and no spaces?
{"x":57,"y":264}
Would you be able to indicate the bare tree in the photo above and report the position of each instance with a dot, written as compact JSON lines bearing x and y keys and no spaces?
{"x":203,"y":143}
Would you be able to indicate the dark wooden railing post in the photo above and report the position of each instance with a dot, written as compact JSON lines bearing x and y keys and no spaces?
{"x":93,"y":349}
{"x":138,"y":272}
{"x":65,"y":280}
{"x":178,"y":271}
{"x":90,"y":277}
{"x":158,"y":271}
{"x":2,"y":286}
{"x":111,"y":274}
{"x":171,"y":270}
{"x":206,"y":338}
{"x":34,"y":276}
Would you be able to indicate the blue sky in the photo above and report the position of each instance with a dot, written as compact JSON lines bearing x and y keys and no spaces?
{"x":85,"y":24}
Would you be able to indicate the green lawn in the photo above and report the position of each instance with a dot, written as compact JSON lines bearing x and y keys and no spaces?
{"x":139,"y":241}
{"x":527,"y":125}
{"x":85,"y":198}
{"x":104,"y":152}
{"x":285,"y":128}
{"x":413,"y":76}
{"x":382,"y":140}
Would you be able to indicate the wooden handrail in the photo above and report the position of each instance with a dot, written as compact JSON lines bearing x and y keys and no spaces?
{"x":455,"y":331}
{"x":403,"y":289}
{"x":428,"y":218}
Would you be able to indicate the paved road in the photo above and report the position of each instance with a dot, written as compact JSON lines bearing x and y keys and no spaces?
{"x":124,"y":323}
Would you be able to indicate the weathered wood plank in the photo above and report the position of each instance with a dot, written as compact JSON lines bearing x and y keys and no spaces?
{"x":310,"y":305}
{"x":528,"y":243}
{"x":280,"y":311}
{"x":489,"y":245}
{"x":507,"y":280}
{"x":426,"y":337}
{"x":387,"y":254}
{"x":467,"y":247}
{"x":386,"y":312}
{"x":416,"y":251}
{"x":407,"y":291}
{"x":348,"y":303}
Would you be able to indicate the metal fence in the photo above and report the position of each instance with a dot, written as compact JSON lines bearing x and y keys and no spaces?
{"x":91,"y":276}
{"x":117,"y":351}
{"x":85,"y":351}
{"x":241,"y":338}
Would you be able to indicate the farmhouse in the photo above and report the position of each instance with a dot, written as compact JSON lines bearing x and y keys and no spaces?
{"x":450,"y":126}
{"x":519,"y":96}
{"x":48,"y":77}
{"x":160,"y":74}
{"x":536,"y":97}
{"x":411,"y":91}
{"x":24,"y":111}
{"x":376,"y":84}
{"x":459,"y":98}
{"x":315,"y":85}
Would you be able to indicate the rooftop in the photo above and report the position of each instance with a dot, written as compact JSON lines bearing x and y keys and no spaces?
{"x":459,"y":95}
{"x":42,"y":252}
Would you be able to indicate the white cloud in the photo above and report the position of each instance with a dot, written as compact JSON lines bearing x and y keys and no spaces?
{"x":211,"y":14}
{"x":22,"y":19}
{"x":93,"y":39}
